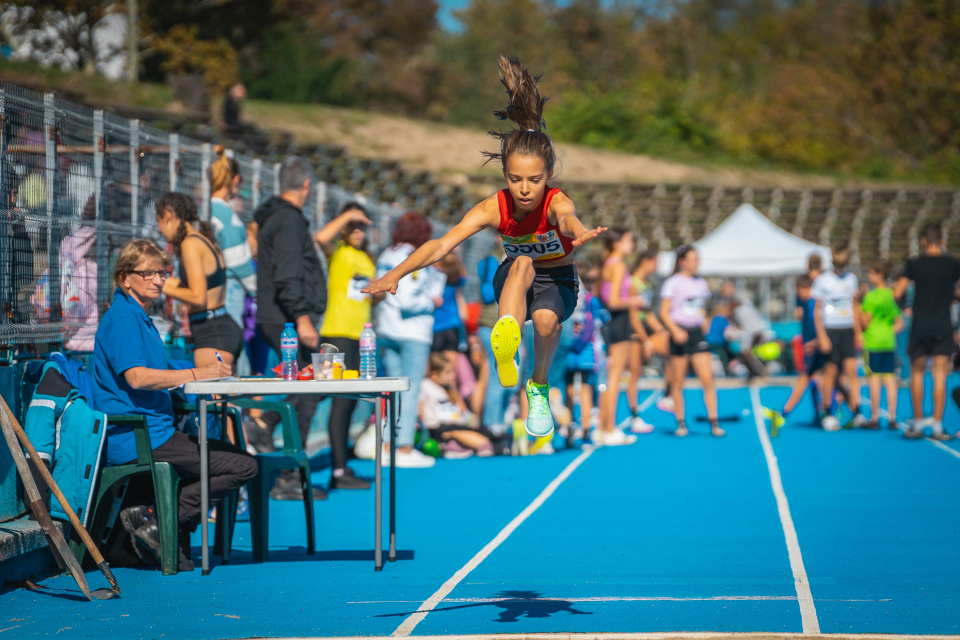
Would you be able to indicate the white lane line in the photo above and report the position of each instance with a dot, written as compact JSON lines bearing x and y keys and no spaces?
{"x":408,"y":625}
{"x":940,"y":445}
{"x":614,"y":599}
{"x":653,"y":397}
{"x":808,"y":611}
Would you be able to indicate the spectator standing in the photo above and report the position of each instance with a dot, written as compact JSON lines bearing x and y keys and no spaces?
{"x":344,"y":242}
{"x":683,"y":304}
{"x":497,"y":396}
{"x":291,"y":287}
{"x":231,"y":234}
{"x":232,"y":106}
{"x":202,"y":280}
{"x":934,"y":275}
{"x":405,"y":327}
{"x":881,"y":321}
{"x":131,"y":375}
{"x":447,"y":322}
{"x":838,"y":336}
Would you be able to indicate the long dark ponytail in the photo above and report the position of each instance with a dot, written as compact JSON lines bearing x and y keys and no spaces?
{"x":186,"y":211}
{"x":526,"y":111}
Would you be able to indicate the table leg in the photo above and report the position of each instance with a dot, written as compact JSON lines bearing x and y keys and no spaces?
{"x":378,"y":480}
{"x":204,"y":488}
{"x":393,"y":477}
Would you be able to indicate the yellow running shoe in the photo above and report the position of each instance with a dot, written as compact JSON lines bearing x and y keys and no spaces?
{"x":505,"y":340}
{"x":776,"y":420}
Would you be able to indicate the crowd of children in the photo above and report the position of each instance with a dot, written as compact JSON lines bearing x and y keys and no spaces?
{"x":616,"y":335}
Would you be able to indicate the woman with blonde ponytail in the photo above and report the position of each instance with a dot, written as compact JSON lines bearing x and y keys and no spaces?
{"x":539,"y":229}
{"x":231,"y":234}
{"x":201,"y":281}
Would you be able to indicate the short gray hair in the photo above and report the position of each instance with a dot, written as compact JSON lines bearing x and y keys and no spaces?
{"x":293,"y":171}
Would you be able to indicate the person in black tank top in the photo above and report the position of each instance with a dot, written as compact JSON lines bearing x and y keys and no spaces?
{"x":213,"y":330}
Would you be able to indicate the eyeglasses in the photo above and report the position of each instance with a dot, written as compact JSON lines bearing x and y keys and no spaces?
{"x":149,"y":274}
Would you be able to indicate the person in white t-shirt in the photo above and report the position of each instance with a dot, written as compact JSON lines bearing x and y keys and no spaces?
{"x":444,"y":413}
{"x":838,"y":335}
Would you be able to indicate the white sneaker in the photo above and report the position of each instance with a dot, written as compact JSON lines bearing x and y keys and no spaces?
{"x":412,"y":459}
{"x":831,"y":423}
{"x":366,"y":446}
{"x":640,"y":426}
{"x":665,"y":404}
{"x":617,"y":438}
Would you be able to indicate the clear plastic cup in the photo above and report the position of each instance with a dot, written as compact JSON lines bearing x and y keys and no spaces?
{"x":327,"y":366}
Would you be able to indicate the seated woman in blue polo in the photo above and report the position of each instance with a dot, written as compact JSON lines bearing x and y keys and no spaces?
{"x":132,"y":376}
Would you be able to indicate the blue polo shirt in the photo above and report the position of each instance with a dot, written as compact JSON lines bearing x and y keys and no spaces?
{"x":126,"y":338}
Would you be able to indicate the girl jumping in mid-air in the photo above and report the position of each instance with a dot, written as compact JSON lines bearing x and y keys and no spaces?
{"x":539,"y":228}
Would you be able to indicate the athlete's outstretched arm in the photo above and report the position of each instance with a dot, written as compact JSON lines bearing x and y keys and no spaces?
{"x":569,"y":224}
{"x":485,"y":215}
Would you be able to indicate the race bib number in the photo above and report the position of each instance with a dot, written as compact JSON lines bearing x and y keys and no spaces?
{"x":355,"y":288}
{"x":694,"y":307}
{"x":449,"y":413}
{"x":539,"y":246}
{"x":839,"y":309}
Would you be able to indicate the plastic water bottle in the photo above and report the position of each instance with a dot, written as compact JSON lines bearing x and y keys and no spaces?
{"x":288,"y":352}
{"x":368,"y":352}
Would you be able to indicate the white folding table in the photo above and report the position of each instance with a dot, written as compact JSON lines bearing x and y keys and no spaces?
{"x":362,"y":389}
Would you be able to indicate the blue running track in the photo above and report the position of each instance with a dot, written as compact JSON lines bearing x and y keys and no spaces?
{"x":667,"y":535}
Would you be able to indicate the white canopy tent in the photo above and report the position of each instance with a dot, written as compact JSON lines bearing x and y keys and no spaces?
{"x":748,"y":244}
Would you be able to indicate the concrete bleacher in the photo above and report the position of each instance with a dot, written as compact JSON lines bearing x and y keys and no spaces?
{"x":877,"y":223}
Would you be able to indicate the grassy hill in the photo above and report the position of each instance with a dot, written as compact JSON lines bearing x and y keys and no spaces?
{"x":450,"y":152}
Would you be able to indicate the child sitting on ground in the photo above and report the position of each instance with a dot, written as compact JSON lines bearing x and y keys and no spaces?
{"x":445,"y":415}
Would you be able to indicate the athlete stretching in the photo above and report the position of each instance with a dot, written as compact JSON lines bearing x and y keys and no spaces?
{"x":540,"y":230}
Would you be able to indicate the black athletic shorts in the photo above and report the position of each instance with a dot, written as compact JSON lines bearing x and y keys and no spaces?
{"x":554,"y":288}
{"x":446,"y":340}
{"x":814,"y":362}
{"x":882,"y":362}
{"x":222,"y":333}
{"x":842,"y":346}
{"x":618,"y":329}
{"x":588,"y":377}
{"x":929,"y":346}
{"x":696,"y":343}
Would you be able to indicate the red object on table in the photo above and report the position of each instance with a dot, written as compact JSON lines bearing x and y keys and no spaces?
{"x":304,"y":374}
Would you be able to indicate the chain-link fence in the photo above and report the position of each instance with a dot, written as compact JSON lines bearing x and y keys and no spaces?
{"x":78,"y":183}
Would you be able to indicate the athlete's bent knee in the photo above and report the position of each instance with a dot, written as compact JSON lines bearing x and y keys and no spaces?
{"x":546,"y":323}
{"x":522,"y":266}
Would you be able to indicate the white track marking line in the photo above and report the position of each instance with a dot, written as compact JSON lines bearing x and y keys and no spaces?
{"x":940,"y":445}
{"x":808,"y":611}
{"x":618,"y":599}
{"x":408,"y":625}
{"x":653,"y":397}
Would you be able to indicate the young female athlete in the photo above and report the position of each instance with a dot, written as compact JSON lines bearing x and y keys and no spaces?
{"x":683,"y":305}
{"x":539,"y":229}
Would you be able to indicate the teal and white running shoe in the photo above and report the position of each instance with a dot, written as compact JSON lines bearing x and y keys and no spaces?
{"x":539,"y":418}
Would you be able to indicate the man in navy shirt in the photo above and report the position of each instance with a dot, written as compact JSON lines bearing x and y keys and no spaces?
{"x":132,"y":376}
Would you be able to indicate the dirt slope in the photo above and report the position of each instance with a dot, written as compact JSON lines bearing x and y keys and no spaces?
{"x":453,"y":152}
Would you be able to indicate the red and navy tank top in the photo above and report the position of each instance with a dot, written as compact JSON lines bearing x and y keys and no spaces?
{"x":534,"y":236}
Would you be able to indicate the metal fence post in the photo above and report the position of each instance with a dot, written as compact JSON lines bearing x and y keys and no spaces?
{"x":256,"y":186}
{"x":99,"y":147}
{"x":6,"y":275}
{"x":52,"y":195}
{"x":205,"y":182}
{"x":321,"y":203}
{"x":134,"y":172}
{"x":276,"y":179}
{"x":174,"y":159}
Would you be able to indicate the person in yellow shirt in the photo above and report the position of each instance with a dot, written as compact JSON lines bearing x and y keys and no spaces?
{"x":344,"y":241}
